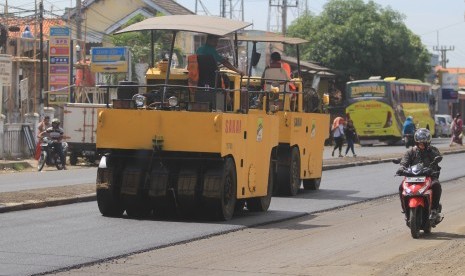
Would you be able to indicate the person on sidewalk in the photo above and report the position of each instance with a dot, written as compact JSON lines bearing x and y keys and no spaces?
{"x":338,"y":134}
{"x":351,"y":136}
{"x":456,"y":130}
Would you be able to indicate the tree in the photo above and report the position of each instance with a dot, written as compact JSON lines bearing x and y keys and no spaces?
{"x":361,"y":40}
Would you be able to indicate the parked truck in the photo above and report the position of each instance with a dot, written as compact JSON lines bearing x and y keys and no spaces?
{"x":80,"y":127}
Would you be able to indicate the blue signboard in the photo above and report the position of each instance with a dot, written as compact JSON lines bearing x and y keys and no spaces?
{"x":60,"y":31}
{"x":109,"y":60}
{"x":59,"y":60}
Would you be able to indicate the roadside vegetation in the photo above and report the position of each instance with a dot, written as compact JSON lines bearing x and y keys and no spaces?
{"x":359,"y":40}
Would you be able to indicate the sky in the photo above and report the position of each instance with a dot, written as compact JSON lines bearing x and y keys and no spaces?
{"x":438,"y":23}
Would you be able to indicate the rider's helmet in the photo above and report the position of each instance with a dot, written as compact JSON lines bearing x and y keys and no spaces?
{"x":422,"y":135}
{"x":56,"y":122}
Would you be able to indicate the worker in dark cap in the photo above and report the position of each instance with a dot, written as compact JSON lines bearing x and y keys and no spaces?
{"x":209,"y":48}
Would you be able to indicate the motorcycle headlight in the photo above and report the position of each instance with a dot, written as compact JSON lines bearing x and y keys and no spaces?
{"x":173,"y":101}
{"x":139,"y":100}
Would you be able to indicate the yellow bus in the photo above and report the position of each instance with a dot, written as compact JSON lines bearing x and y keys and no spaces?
{"x":378,"y":107}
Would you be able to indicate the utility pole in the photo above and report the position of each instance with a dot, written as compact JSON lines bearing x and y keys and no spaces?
{"x":443,"y":50}
{"x":78,"y":27}
{"x":229,"y":10}
{"x":41,"y":55}
{"x":223,"y":8}
{"x":282,"y":5}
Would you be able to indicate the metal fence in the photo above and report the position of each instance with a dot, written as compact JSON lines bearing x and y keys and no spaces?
{"x":15,"y":144}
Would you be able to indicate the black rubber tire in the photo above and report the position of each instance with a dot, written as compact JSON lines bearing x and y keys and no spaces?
{"x":108,"y":205}
{"x":240,"y":205}
{"x":227,"y":201}
{"x":91,"y":159}
{"x":138,"y":208}
{"x":294,"y":171}
{"x":58,"y":163}
{"x":73,"y":159}
{"x":312,"y":184}
{"x":428,"y":226}
{"x":41,"y":161}
{"x":261,"y":204}
{"x":415,"y":218}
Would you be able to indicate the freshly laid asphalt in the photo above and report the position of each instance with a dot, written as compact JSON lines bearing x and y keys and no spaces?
{"x":53,"y":196}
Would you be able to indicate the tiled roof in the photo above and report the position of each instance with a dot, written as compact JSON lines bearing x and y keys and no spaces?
{"x":34,"y":26}
{"x":166,"y":6}
{"x":172,"y":7}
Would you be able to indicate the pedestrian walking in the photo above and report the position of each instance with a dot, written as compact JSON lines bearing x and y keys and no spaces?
{"x":456,"y":130}
{"x":338,"y":134}
{"x":351,"y":136}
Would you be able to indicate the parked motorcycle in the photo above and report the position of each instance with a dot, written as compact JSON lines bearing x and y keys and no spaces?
{"x":49,"y":154}
{"x":409,"y":140}
{"x":417,"y":197}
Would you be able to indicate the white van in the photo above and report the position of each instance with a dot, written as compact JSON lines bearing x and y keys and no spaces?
{"x":442,"y":124}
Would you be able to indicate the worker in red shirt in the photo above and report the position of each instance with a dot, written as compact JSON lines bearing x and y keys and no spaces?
{"x":276,"y":62}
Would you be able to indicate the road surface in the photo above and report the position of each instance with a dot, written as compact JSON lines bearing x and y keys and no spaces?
{"x":368,"y":238}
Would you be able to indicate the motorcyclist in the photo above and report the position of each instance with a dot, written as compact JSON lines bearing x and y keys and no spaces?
{"x":55,"y":133}
{"x":423,"y":152}
{"x":408,"y":129}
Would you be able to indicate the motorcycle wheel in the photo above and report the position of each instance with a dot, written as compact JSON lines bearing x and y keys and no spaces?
{"x":428,"y":226}
{"x":58,"y":162}
{"x":41,"y":161}
{"x":415,"y":219}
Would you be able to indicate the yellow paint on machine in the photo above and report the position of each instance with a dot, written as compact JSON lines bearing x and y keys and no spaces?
{"x":308,"y":131}
{"x":248,"y":138}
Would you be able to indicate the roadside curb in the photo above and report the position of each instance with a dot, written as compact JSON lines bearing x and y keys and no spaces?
{"x":47,"y":203}
{"x":377,"y":161}
{"x":355,"y":164}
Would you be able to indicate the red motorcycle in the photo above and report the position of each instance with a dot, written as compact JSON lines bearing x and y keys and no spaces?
{"x":417,"y":197}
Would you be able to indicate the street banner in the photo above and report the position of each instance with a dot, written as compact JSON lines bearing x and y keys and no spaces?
{"x":59,"y":68}
{"x":449,"y":86}
{"x":6,"y":67}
